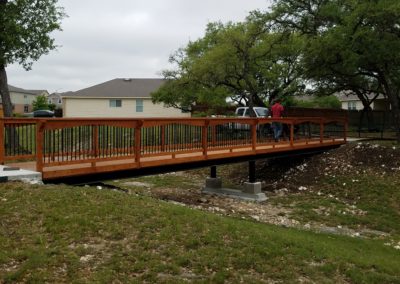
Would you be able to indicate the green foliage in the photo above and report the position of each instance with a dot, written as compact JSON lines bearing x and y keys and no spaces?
{"x":26,"y":27}
{"x":351,"y":45}
{"x":26,"y":30}
{"x":244,"y":62}
{"x":52,"y":107}
{"x":40,"y":102}
{"x":319,"y":102}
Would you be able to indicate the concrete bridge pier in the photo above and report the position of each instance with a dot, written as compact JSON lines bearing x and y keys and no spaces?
{"x":213,"y":182}
{"x":251,"y":190}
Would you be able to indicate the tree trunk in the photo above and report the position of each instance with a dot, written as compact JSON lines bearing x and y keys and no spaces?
{"x":396,"y":115}
{"x":393,"y":95}
{"x":251,"y":106}
{"x":11,"y":140}
{"x":5,"y":94}
{"x":367,"y":110}
{"x":258,"y":102}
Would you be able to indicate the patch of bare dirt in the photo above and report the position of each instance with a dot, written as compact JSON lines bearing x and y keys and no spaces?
{"x":259,"y":211}
{"x":284,"y":176}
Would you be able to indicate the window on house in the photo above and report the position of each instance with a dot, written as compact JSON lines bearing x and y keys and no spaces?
{"x":59,"y":101}
{"x":115,"y":103}
{"x":352,"y":106}
{"x":25,"y":96}
{"x":139,"y":105}
{"x":26,"y":108}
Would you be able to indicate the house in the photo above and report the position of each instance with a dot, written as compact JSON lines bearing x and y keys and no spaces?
{"x":118,"y":98}
{"x":55,"y":99}
{"x":22,"y":99}
{"x":352,"y":102}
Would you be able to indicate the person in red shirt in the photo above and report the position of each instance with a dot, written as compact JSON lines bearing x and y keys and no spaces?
{"x":277,"y":112}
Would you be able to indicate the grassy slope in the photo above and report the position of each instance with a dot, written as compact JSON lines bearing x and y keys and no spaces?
{"x":61,"y":234}
{"x":356,"y":201}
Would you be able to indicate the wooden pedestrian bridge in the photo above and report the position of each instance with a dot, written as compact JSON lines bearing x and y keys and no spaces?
{"x":72,"y":148}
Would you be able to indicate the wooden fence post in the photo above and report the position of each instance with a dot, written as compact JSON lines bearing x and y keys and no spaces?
{"x":254,"y":134}
{"x":39,"y":145}
{"x":2,"y":149}
{"x":138,"y":137}
{"x":346,"y":129}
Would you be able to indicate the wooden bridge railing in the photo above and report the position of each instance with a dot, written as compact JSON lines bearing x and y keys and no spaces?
{"x":83,"y":146}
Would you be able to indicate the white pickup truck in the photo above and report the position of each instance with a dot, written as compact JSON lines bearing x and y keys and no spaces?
{"x":245,"y":112}
{"x":261,"y":112}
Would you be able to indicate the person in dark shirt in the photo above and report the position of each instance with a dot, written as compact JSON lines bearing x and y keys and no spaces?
{"x":277,"y":112}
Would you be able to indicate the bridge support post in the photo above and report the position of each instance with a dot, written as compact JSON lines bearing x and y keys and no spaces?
{"x":212,"y":181}
{"x":252,"y":187}
{"x":252,"y":171}
{"x":213,"y":172}
{"x":251,"y":190}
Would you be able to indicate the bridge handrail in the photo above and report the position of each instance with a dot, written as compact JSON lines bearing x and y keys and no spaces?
{"x":53,"y":141}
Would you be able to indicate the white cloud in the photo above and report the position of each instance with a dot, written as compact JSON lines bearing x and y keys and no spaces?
{"x":102,"y":40}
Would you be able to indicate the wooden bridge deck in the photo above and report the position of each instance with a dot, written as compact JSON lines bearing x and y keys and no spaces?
{"x":62,"y":148}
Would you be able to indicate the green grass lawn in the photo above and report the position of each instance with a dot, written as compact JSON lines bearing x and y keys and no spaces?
{"x":357,"y":202}
{"x":64,"y":234}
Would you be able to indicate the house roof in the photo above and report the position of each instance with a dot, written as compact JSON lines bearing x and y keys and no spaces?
{"x":20,"y":90}
{"x":119,"y":88}
{"x":59,"y":95}
{"x":347,"y":96}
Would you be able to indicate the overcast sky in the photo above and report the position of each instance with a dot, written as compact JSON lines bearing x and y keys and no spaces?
{"x":103,"y":40}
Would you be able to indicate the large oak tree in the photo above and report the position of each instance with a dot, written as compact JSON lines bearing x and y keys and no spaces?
{"x":351,"y":44}
{"x":25,"y":35}
{"x":241,"y":61}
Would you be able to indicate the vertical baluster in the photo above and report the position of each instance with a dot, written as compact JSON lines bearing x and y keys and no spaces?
{"x":62,"y":144}
{"x":25,"y":140}
{"x":108,"y":134}
{"x":79,"y":143}
{"x":162,"y":138}
{"x":122,"y":140}
{"x":153,"y":139}
{"x":204,"y":138}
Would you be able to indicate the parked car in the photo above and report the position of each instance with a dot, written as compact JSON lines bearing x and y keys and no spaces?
{"x":43,"y":113}
{"x":245,"y":112}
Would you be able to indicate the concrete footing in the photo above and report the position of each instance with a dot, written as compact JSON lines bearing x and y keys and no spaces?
{"x":251,"y":191}
{"x":16,"y":174}
{"x":213,"y":182}
{"x":252,"y":187}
